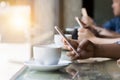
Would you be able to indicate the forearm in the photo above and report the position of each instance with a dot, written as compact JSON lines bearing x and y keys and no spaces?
{"x":105,"y":33}
{"x":97,"y":40}
{"x":107,"y":50}
{"x":108,"y":34}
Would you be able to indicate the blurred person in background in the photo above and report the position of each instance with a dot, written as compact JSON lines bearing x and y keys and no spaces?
{"x":94,"y":41}
{"x":111,"y":29}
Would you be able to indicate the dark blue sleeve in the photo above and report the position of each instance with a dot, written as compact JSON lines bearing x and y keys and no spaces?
{"x":109,"y":25}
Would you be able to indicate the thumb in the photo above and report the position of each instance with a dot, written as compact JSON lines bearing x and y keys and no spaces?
{"x":82,"y":22}
{"x":84,"y":44}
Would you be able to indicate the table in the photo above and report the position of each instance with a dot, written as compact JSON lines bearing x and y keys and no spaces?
{"x":104,"y":70}
{"x":12,"y":56}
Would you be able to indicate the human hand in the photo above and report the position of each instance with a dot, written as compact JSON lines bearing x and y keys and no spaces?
{"x":85,"y":34}
{"x":88,"y":21}
{"x":85,"y":49}
{"x":74,"y":43}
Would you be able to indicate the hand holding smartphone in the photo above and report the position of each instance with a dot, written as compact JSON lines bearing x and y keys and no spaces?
{"x":84,"y":13}
{"x":61,"y":33}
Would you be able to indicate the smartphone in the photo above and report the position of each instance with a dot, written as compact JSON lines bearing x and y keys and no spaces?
{"x":61,"y":33}
{"x":84,"y":12}
{"x":79,"y":22}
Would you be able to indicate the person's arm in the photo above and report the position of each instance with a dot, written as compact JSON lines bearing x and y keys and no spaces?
{"x":87,"y":34}
{"x":98,"y":40}
{"x":87,"y":49}
{"x":105,"y":33}
{"x":107,"y":50}
{"x":99,"y":31}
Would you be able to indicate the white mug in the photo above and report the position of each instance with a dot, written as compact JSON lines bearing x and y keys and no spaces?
{"x":58,"y":39}
{"x":47,"y":54}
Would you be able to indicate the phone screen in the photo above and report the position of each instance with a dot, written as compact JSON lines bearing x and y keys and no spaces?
{"x":61,"y":33}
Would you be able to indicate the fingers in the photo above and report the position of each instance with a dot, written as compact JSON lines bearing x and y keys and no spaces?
{"x":81,"y":30}
{"x":83,"y":44}
{"x":83,"y":23}
{"x":83,"y":50}
{"x":83,"y":33}
{"x":64,"y":42}
{"x":75,"y":58}
{"x":87,"y":20}
{"x":72,"y":55}
{"x":74,"y":44}
{"x":67,"y":47}
{"x":84,"y":20}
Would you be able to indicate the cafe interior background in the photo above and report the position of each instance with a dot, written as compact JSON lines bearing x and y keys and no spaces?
{"x":27,"y":22}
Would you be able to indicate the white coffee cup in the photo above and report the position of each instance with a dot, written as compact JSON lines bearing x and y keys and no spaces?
{"x":58,"y":39}
{"x":47,"y":54}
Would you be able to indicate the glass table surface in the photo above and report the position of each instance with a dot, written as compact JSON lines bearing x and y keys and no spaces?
{"x":105,"y":70}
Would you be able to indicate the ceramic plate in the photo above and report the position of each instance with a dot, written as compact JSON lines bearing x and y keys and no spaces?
{"x":34,"y":66}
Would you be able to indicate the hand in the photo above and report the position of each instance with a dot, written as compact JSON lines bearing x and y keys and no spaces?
{"x":88,"y":21}
{"x":74,"y":43}
{"x":86,"y":49}
{"x":85,"y":34}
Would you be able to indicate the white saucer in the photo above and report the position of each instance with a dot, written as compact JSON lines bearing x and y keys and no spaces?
{"x":34,"y":66}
